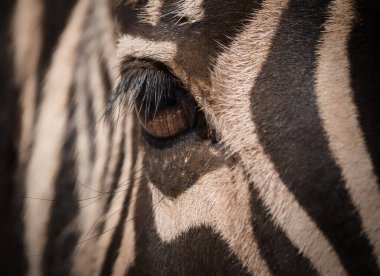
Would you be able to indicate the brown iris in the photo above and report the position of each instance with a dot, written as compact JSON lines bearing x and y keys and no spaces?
{"x":163,"y":106}
{"x":173,"y":114}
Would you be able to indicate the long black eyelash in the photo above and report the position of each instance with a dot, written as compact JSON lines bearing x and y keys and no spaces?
{"x":148,"y":83}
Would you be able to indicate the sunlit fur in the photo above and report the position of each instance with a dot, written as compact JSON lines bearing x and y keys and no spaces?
{"x":98,"y":199}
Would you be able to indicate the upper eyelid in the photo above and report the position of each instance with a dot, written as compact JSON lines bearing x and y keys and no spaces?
{"x":133,"y":77}
{"x":133,"y":62}
{"x":129,"y":46}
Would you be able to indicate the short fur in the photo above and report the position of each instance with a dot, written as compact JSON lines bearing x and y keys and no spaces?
{"x":284,"y":181}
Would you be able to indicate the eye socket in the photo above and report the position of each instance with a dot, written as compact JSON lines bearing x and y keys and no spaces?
{"x":164,"y":108}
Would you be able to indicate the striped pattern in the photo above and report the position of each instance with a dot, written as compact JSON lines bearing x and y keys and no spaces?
{"x":291,"y":188}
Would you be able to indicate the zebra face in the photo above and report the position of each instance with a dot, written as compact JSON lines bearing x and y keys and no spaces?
{"x":252,"y":145}
{"x":230,"y":104}
{"x":167,"y":52}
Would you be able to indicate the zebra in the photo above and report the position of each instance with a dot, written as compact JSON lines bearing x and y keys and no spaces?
{"x":190,"y":137}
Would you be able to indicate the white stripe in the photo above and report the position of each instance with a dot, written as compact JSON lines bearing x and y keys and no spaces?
{"x":105,"y":36}
{"x":27,"y":46}
{"x":130,"y":46}
{"x":113,"y":216}
{"x":126,"y":255}
{"x":83,"y":142}
{"x":90,"y":253}
{"x":102,"y":145}
{"x":50,"y":129}
{"x":99,"y":44}
{"x":340,"y":120}
{"x":90,"y":225}
{"x":102,"y":129}
{"x":191,"y":9}
{"x":151,"y":12}
{"x":85,"y":186}
{"x":207,"y":204}
{"x":233,"y":78}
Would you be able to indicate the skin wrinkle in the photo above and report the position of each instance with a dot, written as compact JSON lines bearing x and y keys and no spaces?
{"x":339,"y":114}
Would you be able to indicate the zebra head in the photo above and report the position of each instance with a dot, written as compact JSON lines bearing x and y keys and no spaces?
{"x":190,"y":137}
{"x":246,"y":157}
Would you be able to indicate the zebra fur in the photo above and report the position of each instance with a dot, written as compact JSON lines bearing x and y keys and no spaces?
{"x":289,"y":185}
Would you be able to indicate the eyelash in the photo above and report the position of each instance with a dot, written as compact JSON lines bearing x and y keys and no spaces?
{"x":151,"y":81}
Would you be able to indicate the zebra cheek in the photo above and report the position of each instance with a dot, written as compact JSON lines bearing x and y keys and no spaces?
{"x":175,"y":170}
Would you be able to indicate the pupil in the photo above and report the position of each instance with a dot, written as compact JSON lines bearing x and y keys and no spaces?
{"x":168,"y":100}
{"x":152,"y":103}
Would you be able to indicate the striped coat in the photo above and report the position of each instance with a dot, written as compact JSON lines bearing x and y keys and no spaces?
{"x":192,"y":137}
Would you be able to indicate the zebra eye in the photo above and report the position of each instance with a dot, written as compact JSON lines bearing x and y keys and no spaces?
{"x":167,"y":115}
{"x":164,"y":108}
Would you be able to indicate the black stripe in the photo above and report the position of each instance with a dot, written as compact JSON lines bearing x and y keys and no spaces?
{"x":142,"y":220}
{"x":176,"y":170}
{"x":54,"y":21}
{"x":289,"y":128}
{"x":85,"y":56}
{"x":57,"y":257}
{"x":12,"y":254}
{"x":121,"y":153}
{"x":106,"y":87}
{"x":114,"y":246}
{"x":116,"y":175}
{"x":90,"y":112}
{"x":223,"y":21}
{"x":198,"y":44}
{"x":364,"y":55}
{"x":282,"y":257}
{"x":106,"y":79}
{"x":197,"y":251}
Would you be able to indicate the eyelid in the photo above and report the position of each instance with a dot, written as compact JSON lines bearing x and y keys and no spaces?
{"x":133,"y":62}
{"x":141,"y":76}
{"x":131,"y":47}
